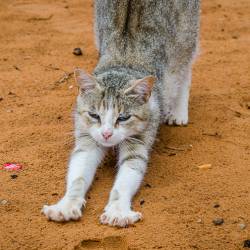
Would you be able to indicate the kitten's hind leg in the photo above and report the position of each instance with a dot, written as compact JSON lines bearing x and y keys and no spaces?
{"x":82,"y":167}
{"x":175,"y":100}
{"x":132,"y":161}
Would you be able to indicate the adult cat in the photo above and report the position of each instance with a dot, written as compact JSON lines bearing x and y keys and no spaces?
{"x":142,"y":78}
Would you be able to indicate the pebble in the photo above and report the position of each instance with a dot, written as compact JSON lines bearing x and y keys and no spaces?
{"x":1,"y":98}
{"x":142,"y":202}
{"x":246,"y":243}
{"x":218,"y":221}
{"x":172,"y":154}
{"x":77,"y":51}
{"x":242,"y":226}
{"x":71,"y":87}
{"x":3,"y":202}
{"x":13,"y":176}
{"x":216,"y":205}
{"x":199,"y":221}
{"x":148,"y":185}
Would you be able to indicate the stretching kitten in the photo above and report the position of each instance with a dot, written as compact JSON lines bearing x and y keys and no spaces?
{"x":142,"y":78}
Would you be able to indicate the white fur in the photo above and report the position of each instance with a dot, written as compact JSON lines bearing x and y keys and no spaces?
{"x":118,"y":210}
{"x":82,"y":168}
{"x":176,"y":99}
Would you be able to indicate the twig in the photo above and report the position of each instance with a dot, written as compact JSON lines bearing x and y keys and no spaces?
{"x":173,"y":148}
{"x":212,"y":134}
{"x":40,"y":18}
{"x":65,"y":77}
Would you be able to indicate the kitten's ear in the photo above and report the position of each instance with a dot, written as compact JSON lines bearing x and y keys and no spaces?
{"x":85,"y":81}
{"x":142,"y":88}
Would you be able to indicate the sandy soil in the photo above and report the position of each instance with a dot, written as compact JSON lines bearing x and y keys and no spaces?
{"x":36,"y":42}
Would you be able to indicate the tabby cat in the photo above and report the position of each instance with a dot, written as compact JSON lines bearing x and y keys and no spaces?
{"x":142,"y":79}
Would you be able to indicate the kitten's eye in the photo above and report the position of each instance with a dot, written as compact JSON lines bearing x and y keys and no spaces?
{"x":123,"y":118}
{"x":94,"y":115}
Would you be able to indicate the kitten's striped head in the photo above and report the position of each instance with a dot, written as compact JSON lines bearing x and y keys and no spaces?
{"x":110,"y":114}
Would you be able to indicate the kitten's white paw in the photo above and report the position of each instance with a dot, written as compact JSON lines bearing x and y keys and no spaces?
{"x":179,"y":120}
{"x":177,"y":117}
{"x":114,"y":216}
{"x":64,"y":210}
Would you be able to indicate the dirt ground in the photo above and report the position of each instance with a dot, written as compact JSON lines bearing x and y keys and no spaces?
{"x":37,"y":38}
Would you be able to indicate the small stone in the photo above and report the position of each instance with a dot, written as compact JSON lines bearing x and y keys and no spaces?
{"x":54,"y":194}
{"x":77,"y":51}
{"x":71,"y":87}
{"x":13,"y":176}
{"x":216,"y":205}
{"x":15,"y":67}
{"x":3,"y":202}
{"x":246,"y":243}
{"x":1,"y":98}
{"x":142,"y":202}
{"x":148,"y":185}
{"x":199,"y":221}
{"x":218,"y":221}
{"x":172,"y":154}
{"x":242,"y":226}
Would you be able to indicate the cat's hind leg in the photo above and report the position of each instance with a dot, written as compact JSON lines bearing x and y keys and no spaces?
{"x":176,"y":95}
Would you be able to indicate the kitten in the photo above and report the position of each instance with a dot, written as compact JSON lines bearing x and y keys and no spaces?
{"x":142,"y":78}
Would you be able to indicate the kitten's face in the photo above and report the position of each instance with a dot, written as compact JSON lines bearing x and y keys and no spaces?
{"x":110,"y":116}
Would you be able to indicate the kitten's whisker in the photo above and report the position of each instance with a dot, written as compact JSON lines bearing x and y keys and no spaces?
{"x":135,"y":140}
{"x":129,"y":148}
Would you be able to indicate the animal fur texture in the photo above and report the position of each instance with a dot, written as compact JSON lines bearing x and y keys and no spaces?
{"x":142,"y":79}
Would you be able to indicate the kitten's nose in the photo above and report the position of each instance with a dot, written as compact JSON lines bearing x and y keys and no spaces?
{"x":107,"y":134}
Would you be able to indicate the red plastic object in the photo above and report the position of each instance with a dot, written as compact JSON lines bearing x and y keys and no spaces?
{"x":12,"y":166}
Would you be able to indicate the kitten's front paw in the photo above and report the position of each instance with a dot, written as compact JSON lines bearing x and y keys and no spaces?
{"x":64,"y":210}
{"x":114,"y":216}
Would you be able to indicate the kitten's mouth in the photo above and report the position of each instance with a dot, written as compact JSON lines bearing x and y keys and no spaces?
{"x":107,"y":144}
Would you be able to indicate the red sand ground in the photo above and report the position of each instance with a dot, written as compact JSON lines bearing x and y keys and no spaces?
{"x":36,"y":42}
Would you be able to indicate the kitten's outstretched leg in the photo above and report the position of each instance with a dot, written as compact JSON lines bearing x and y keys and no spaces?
{"x":177,"y":85}
{"x":82,"y":167}
{"x":133,"y":161}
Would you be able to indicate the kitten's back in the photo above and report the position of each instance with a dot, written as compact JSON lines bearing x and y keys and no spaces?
{"x":150,"y":29}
